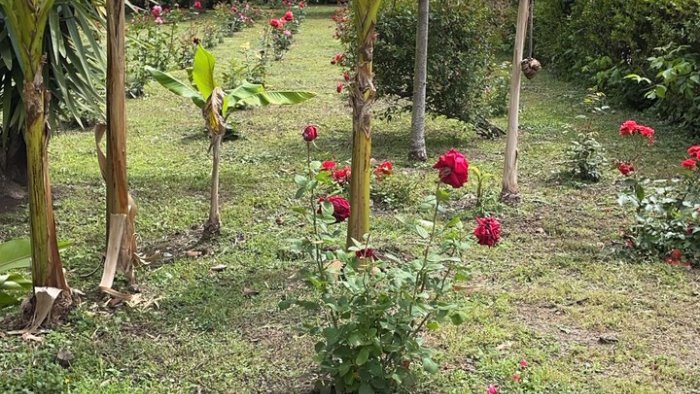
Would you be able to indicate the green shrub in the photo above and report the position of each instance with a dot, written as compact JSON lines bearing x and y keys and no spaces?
{"x":603,"y":41}
{"x":394,"y":192}
{"x":585,"y":159}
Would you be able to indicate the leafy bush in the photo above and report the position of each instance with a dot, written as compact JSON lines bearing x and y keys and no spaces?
{"x":460,"y":56}
{"x":585,"y":158}
{"x":603,"y":41}
{"x":666,"y":214}
{"x":369,"y":309}
{"x":395,"y":192}
{"x":14,"y":255}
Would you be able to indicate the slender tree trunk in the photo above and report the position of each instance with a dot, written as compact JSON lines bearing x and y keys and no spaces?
{"x":362,"y":95}
{"x":47,"y":270}
{"x":420,"y":76}
{"x":214,"y":223}
{"x":510,"y":172}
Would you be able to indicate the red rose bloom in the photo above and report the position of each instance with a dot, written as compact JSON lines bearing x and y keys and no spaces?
{"x":275,"y":23}
{"x":197,"y":5}
{"x":337,"y":58}
{"x":690,"y":164}
{"x":339,"y":87}
{"x":454,"y":168}
{"x":487,"y":231}
{"x":341,"y":207}
{"x":647,"y":132}
{"x":384,"y":169}
{"x":523,"y":363}
{"x":628,"y":128}
{"x":328,"y":165}
{"x":694,"y":151}
{"x":346,"y":76}
{"x":342,"y":176}
{"x":625,"y":168}
{"x":366,"y":254}
{"x":310,"y":133}
{"x":288,"y":16}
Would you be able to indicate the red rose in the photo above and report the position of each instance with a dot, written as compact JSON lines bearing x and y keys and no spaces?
{"x":337,"y":58}
{"x":342,"y":176}
{"x":310,"y":133}
{"x":341,"y":207}
{"x":275,"y":23}
{"x":690,"y":164}
{"x":647,"y":132}
{"x":328,"y":165}
{"x":487,"y":231}
{"x":346,"y":76}
{"x":384,"y":169}
{"x":288,"y":16}
{"x":694,"y":151}
{"x":197,"y":5}
{"x":339,"y":87}
{"x":454,"y":168}
{"x":628,"y":128}
{"x":523,"y":363}
{"x":625,"y":168}
{"x":366,"y":254}
{"x":492,"y":389}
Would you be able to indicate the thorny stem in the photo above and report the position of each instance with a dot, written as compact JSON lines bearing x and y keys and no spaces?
{"x":437,"y":296}
{"x":420,"y":276}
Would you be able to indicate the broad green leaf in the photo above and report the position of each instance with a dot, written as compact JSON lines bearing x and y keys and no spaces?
{"x":203,"y":71}
{"x":181,"y":89}
{"x":277,"y":98}
{"x":17,"y":254}
{"x":363,"y":356}
{"x":429,"y":365}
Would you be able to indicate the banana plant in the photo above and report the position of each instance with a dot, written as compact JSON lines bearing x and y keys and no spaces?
{"x":216,"y":106}
{"x":362,"y":96}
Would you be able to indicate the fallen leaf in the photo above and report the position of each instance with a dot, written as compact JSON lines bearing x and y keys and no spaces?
{"x":29,"y":337}
{"x":250,"y":292}
{"x":193,"y":253}
{"x":607,"y":339}
{"x":218,"y":268}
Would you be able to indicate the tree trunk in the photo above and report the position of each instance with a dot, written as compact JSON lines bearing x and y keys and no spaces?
{"x":420,"y":76}
{"x":47,"y":270}
{"x":510,"y":172}
{"x":118,"y":200}
{"x":362,"y":95}
{"x":13,"y":157}
{"x":214,"y":223}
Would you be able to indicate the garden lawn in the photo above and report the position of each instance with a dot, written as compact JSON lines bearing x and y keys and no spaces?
{"x":554,"y":292}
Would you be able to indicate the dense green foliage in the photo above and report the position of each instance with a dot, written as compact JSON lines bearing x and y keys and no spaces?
{"x":460,"y":57}
{"x":74,"y":72}
{"x":600,"y":42}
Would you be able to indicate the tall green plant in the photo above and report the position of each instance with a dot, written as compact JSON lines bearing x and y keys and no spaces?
{"x":74,"y":70}
{"x":217,"y":105}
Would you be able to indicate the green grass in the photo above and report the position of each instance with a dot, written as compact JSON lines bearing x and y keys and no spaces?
{"x":547,"y":293}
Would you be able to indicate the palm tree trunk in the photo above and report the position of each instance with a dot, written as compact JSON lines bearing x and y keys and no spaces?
{"x":47,"y":270}
{"x":420,"y":75}
{"x":510,"y":173}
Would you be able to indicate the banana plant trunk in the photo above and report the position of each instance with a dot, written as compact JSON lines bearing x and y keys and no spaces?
{"x":214,"y":223}
{"x":362,"y":96}
{"x":509,"y":191}
{"x":47,"y":270}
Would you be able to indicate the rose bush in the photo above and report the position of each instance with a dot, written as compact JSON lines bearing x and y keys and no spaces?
{"x":369,"y":310}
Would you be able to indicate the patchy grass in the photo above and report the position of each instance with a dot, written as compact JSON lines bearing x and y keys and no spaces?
{"x":549,"y":293}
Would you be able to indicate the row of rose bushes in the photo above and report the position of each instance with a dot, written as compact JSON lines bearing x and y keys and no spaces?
{"x":154,"y":38}
{"x":283,"y":29}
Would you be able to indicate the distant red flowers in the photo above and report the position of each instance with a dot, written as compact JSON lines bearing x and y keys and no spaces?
{"x":386,"y":168}
{"x":197,"y":5}
{"x":631,"y":127}
{"x":454,"y":168}
{"x":488,"y":231}
{"x":310,"y":133}
{"x":288,"y":16}
{"x":156,"y":11}
{"x":337,"y":58}
{"x":276,"y":23}
{"x":341,"y":207}
{"x":342,"y":176}
{"x":328,"y":165}
{"x":339,"y":87}
{"x":691,"y":163}
{"x":625,"y":168}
